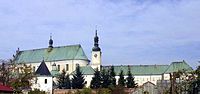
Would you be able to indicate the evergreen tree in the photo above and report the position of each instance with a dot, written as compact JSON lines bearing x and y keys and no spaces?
{"x":64,"y":81}
{"x":67,"y":82}
{"x":121,"y":81}
{"x":112,"y":76}
{"x":130,"y":80}
{"x":78,"y":81}
{"x":105,"y":79}
{"x":96,"y":80}
{"x":61,"y":79}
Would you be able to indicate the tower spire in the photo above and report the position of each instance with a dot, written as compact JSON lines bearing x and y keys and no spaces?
{"x":96,"y":44}
{"x":50,"y":42}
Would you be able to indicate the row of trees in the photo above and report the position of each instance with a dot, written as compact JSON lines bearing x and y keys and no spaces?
{"x":101,"y":79}
{"x":107,"y":79}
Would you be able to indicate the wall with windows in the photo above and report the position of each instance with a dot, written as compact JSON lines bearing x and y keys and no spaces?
{"x":141,"y":79}
{"x":68,"y":65}
{"x":43,"y":83}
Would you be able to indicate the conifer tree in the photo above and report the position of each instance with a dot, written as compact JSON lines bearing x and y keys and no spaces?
{"x":64,"y":81}
{"x":112,"y":76}
{"x":105,"y":79}
{"x":61,"y":79}
{"x":67,"y":82}
{"x":130,"y":80}
{"x":78,"y":81}
{"x":121,"y":81}
{"x":96,"y":80}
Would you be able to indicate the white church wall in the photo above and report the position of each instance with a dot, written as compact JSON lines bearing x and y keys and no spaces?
{"x":88,"y":79}
{"x":42,"y":85}
{"x":141,"y":79}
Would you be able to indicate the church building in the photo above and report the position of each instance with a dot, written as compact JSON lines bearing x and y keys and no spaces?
{"x":53,"y":60}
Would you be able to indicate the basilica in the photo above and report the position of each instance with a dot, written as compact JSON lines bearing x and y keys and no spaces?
{"x":49,"y":62}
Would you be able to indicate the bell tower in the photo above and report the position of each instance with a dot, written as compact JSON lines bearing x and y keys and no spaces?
{"x":96,"y":53}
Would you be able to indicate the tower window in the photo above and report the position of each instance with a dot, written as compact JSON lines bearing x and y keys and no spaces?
{"x":58,"y":67}
{"x":45,"y":81}
{"x":67,"y":67}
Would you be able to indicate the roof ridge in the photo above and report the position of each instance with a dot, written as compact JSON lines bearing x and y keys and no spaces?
{"x":138,"y":65}
{"x":53,"y":47}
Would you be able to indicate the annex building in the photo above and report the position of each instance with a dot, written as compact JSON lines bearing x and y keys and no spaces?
{"x":50,"y":61}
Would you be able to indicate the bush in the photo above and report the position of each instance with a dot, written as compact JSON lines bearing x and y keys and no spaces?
{"x":36,"y":91}
{"x":104,"y":91}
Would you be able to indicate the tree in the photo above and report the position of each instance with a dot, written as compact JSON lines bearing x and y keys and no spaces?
{"x":105,"y":79}
{"x":112,"y":76}
{"x":121,"y":80}
{"x":130,"y":80}
{"x":68,"y":84}
{"x":96,"y":80}
{"x":64,"y":81}
{"x":194,"y":87}
{"x":22,"y":78}
{"x":78,"y":81}
{"x":4,"y":73}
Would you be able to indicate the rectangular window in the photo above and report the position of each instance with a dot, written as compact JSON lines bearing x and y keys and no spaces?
{"x":58,"y":67}
{"x":33,"y":68}
{"x":45,"y":81}
{"x":67,"y":67}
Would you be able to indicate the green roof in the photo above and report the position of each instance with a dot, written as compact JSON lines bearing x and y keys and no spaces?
{"x":55,"y":73}
{"x":178,"y":66}
{"x":71,"y":52}
{"x":140,"y":69}
{"x":86,"y":70}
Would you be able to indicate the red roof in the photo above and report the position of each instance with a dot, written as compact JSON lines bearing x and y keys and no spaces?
{"x":5,"y":88}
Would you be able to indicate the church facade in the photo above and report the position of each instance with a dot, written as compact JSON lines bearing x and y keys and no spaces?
{"x":68,"y":57}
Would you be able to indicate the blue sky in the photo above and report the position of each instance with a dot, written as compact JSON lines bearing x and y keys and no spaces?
{"x":131,"y":31}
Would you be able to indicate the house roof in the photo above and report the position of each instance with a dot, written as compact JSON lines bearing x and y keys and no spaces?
{"x":178,"y":66}
{"x":6,"y":88}
{"x":140,"y":69}
{"x":43,"y":70}
{"x":71,"y":52}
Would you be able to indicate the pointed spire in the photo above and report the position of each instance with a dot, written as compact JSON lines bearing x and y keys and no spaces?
{"x":96,"y":44}
{"x":51,"y":42}
{"x":96,"y":33}
{"x":43,"y":69}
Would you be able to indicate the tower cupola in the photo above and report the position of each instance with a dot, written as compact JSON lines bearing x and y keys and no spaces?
{"x":51,"y":42}
{"x":96,"y":44}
